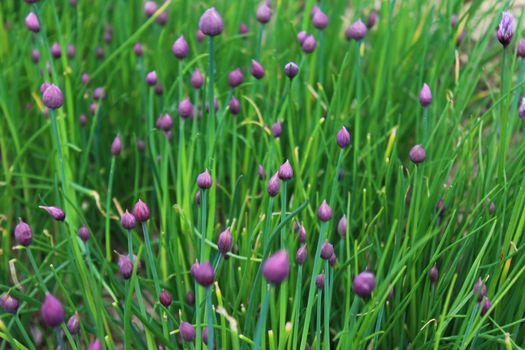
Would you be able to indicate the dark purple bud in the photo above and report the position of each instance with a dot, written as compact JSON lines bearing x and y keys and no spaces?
{"x":257,"y":70}
{"x":454,"y":21}
{"x":128,"y":220}
{"x":301,"y":37}
{"x":165,"y":298}
{"x":324,"y":213}
{"x":291,"y":70}
{"x":225,"y":241}
{"x":138,"y":50}
{"x":203,"y":273}
{"x":425,"y":96}
{"x":301,"y":255}
{"x":83,"y":233}
{"x":56,"y":213}
{"x":73,"y":324}
{"x":141,"y":145}
{"x":116,"y":146}
{"x":480,"y":289}
{"x":150,"y":7}
{"x":273,"y":185}
{"x":198,"y":198}
{"x":261,"y":172}
{"x":35,"y":56}
{"x":23,"y":233}
{"x":31,"y":1}
{"x":204,"y":180}
{"x":417,"y":154}
{"x":309,"y":44}
{"x":211,"y":23}
{"x":277,"y":129}
{"x":125,"y":266}
{"x":235,"y":106}
{"x":302,"y":234}
{"x":99,"y":93}
{"x":460,"y":38}
{"x":93,"y":108}
{"x":52,"y":311}
{"x":364,"y":284}
{"x":333,"y":260}
{"x":486,"y":306}
{"x":506,"y":29}
{"x":215,"y":105}
{"x":9,"y":304}
{"x":521,"y":48}
{"x":197,"y":80}
{"x":108,"y":37}
{"x":320,"y":20}
{"x":85,"y":78}
{"x":32,"y":23}
{"x":141,"y":211}
{"x":185,"y":109}
{"x":235,"y":78}
{"x":180,"y":48}
{"x":205,"y":336}
{"x":343,"y":138}
{"x":166,"y":123}
{"x":70,"y":51}
{"x":151,"y":78}
{"x":440,"y":207}
{"x":158,"y":90}
{"x":56,"y":51}
{"x":285,"y":171}
{"x":53,"y":97}
{"x":372,"y":20}
{"x":243,"y":29}
{"x":357,"y":31}
{"x":199,"y":35}
{"x":492,"y":208}
{"x":276,"y":268}
{"x":327,"y":250}
{"x":433,"y":275}
{"x":341,"y":226}
{"x":187,"y":331}
{"x":99,"y":53}
{"x":264,"y":13}
{"x":162,"y":19}
{"x":190,"y":298}
{"x":95,"y":345}
{"x":319,"y":281}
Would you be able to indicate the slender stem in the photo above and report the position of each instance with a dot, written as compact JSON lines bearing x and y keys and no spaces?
{"x":24,"y":332}
{"x":297,"y":300}
{"x":60,"y":341}
{"x":211,"y":119}
{"x":198,"y":315}
{"x":326,"y":331}
{"x":108,"y":205}
{"x":318,"y":323}
{"x":503,"y":115}
{"x":130,"y":246}
{"x":37,"y":272}
{"x":262,"y":320}
{"x":210,"y":319}
{"x":203,"y":223}
{"x":259,"y":44}
{"x":56,"y":139}
{"x":283,"y":214}
{"x":151,"y":261}
{"x":425,"y":125}
{"x":357,"y":111}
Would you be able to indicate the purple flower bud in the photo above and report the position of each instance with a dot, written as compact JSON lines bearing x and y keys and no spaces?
{"x":492,"y":208}
{"x":454,"y":21}
{"x":506,"y":29}
{"x":180,"y":48}
{"x":185,"y":109}
{"x":235,"y":106}
{"x":417,"y":154}
{"x":56,"y":51}
{"x":53,"y":97}
{"x":372,"y":20}
{"x":291,"y":70}
{"x":151,"y":78}
{"x":165,"y":298}
{"x":44,"y":86}
{"x":190,"y":298}
{"x":150,"y":7}
{"x":273,"y":185}
{"x":257,"y":70}
{"x":31,"y":1}
{"x":486,"y":306}
{"x":158,"y":90}
{"x":276,"y":267}
{"x":357,"y":31}
{"x":197,"y":80}
{"x":215,"y":105}
{"x":264,"y":13}
{"x":309,"y":44}
{"x":56,"y":213}
{"x":198,"y":198}
{"x":199,"y":35}
{"x":9,"y":304}
{"x":301,"y":37}
{"x":116,"y":146}
{"x":225,"y":241}
{"x":187,"y":331}
{"x":235,"y":78}
{"x":320,"y":20}
{"x":277,"y":129}
{"x":480,"y":289}
{"x":85,"y":78}
{"x":243,"y":29}
{"x":125,"y":266}
{"x":285,"y":171}
{"x":440,"y":207}
{"x":425,"y":96}
{"x":108,"y":37}
{"x":73,"y":324}
{"x":203,"y":273}
{"x":141,"y":211}
{"x":52,"y":311}
{"x":301,"y":255}
{"x":341,"y":226}
{"x":166,"y":123}
{"x":162,"y":19}
{"x":95,"y":345}
{"x":302,"y":234}
{"x":128,"y":220}
{"x":314,"y":10}
{"x":521,"y":48}
{"x":211,"y":23}
{"x":82,"y":120}
{"x":35,"y":56}
{"x":93,"y":108}
{"x":99,"y":53}
{"x":433,"y":274}
{"x":205,"y":336}
{"x":32,"y":23}
{"x":364,"y":284}
{"x":319,"y":281}
{"x":204,"y":180}
{"x":332,"y":260}
{"x":99,"y":93}
{"x":138,"y":50}
{"x":327,"y":250}
{"x":260,"y":172}
{"x":23,"y":233}
{"x":521,"y":109}
{"x":83,"y":233}
{"x":324,"y":213}
{"x":343,"y":138}
{"x":70,"y":51}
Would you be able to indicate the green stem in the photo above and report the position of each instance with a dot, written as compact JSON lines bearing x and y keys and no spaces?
{"x":357,"y":111}
{"x":151,"y":261}
{"x":108,"y":205}
{"x":326,"y":331}
{"x":37,"y":272}
{"x":318,"y":323}
{"x":262,"y":319}
{"x":210,"y":319}
{"x":59,"y":339}
{"x":203,"y":224}
{"x":211,"y":119}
